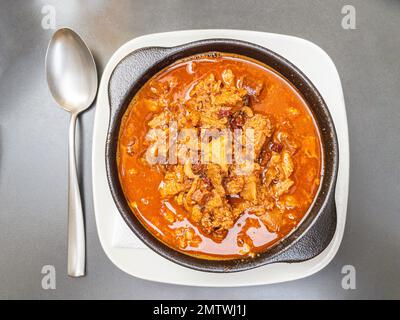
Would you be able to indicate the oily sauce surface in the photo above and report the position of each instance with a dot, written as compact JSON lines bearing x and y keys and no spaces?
{"x":294,"y":132}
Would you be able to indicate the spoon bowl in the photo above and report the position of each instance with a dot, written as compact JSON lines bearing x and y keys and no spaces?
{"x":71,"y":71}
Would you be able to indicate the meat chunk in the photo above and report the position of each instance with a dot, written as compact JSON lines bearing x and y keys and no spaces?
{"x":170,"y":187}
{"x":235,"y":184}
{"x":186,"y":236}
{"x":214,"y":173}
{"x":282,"y":187}
{"x":217,"y":216}
{"x":279,"y":169}
{"x":217,"y":152}
{"x":228,"y":77}
{"x":262,"y":129}
{"x":230,"y":98}
{"x":196,"y":213}
{"x":218,"y":221}
{"x":159,"y":120}
{"x":272,"y":220}
{"x":173,"y":182}
{"x":249,"y":191}
{"x":287,"y":164}
{"x":214,"y":99}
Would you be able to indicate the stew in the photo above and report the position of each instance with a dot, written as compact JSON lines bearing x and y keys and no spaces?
{"x":219,"y":156}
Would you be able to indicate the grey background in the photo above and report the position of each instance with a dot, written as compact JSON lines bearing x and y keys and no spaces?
{"x":33,"y":141}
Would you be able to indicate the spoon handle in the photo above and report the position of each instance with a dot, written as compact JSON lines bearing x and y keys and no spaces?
{"x":76,"y":229}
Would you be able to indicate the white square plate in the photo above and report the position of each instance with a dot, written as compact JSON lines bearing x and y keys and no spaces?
{"x":129,"y":254}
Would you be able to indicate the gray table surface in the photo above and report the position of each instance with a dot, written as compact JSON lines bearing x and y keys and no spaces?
{"x":33,"y":141}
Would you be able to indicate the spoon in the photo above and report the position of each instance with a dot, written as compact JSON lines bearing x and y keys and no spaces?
{"x":72,"y":80}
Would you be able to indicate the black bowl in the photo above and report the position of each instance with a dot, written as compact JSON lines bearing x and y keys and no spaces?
{"x":317,"y":228}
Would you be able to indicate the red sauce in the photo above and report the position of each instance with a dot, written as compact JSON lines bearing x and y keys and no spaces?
{"x":278,"y":99}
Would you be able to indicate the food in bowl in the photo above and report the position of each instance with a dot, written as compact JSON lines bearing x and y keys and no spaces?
{"x":219,"y":156}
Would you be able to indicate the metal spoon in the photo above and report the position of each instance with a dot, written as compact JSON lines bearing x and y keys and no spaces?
{"x":72,"y":79}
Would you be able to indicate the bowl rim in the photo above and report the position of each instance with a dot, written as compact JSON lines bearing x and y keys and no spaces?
{"x":168,"y":56}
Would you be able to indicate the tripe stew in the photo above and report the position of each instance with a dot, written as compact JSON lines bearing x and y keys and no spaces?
{"x":214,"y":207}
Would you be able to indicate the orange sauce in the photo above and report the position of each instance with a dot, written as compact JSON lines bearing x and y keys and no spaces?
{"x":278,"y":99}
